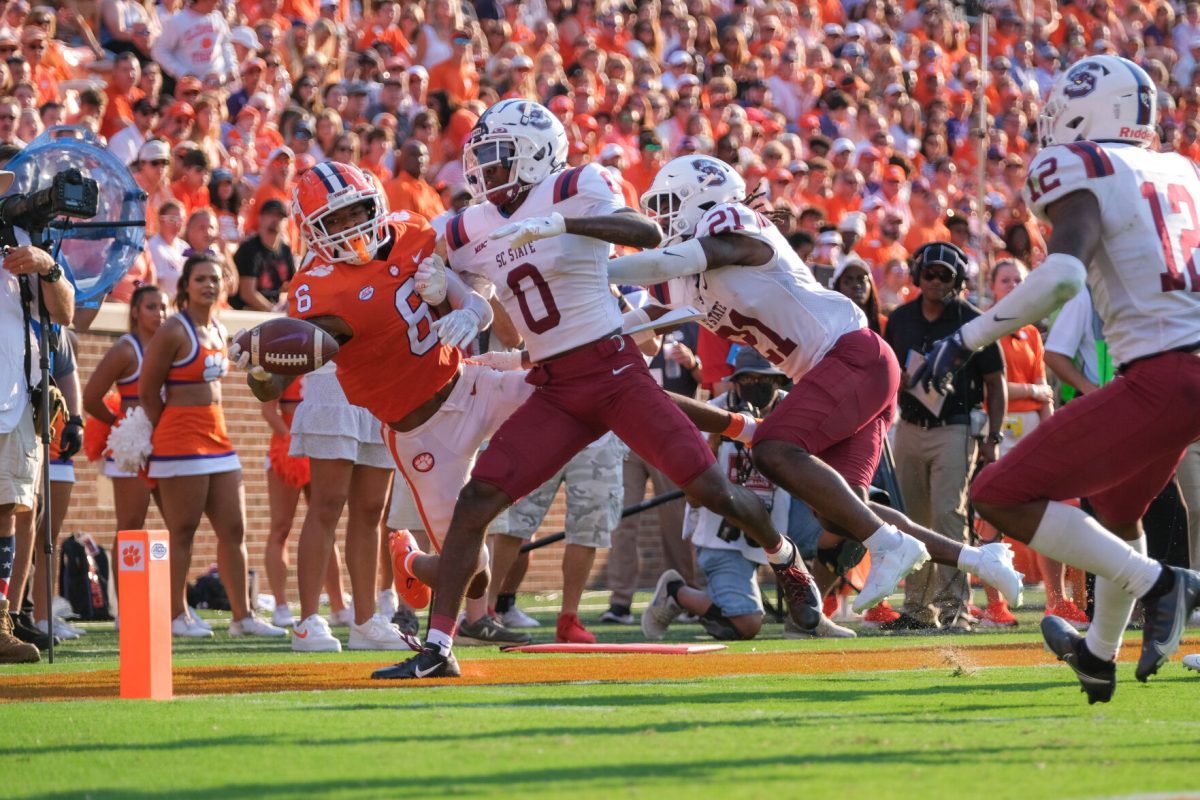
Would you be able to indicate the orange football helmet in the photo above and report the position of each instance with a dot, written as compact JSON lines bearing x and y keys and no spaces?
{"x":332,"y":186}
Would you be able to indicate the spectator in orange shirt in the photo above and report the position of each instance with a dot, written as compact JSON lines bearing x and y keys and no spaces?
{"x":882,"y":248}
{"x":612,"y":157}
{"x":277,"y":179}
{"x":846,"y":196}
{"x":177,"y":122}
{"x":122,"y":93}
{"x":815,"y":192}
{"x":457,"y":76}
{"x":928,"y":206}
{"x":383,"y":26}
{"x":33,"y":47}
{"x":191,"y":188}
{"x":150,"y":171}
{"x":409,"y":191}
{"x":641,"y":174}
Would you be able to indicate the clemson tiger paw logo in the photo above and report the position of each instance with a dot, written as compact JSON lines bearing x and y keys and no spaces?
{"x":423,"y":462}
{"x":131,"y":555}
{"x":215,"y":366}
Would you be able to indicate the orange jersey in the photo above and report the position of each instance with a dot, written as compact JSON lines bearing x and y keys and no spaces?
{"x":394,"y":362}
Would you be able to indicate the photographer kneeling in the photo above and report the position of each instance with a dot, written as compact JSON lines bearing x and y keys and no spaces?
{"x":732,"y":607}
{"x":20,"y":451}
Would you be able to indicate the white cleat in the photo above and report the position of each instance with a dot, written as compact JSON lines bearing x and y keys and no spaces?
{"x":826,"y":629}
{"x":1192,"y":662}
{"x":282,"y":617}
{"x":888,"y":568}
{"x":378,"y":633}
{"x":516,"y":618}
{"x":662,"y":610}
{"x":253,"y":626}
{"x":188,"y":627}
{"x":312,"y":635}
{"x":199,"y":620}
{"x":996,"y":570}
{"x":61,"y":629}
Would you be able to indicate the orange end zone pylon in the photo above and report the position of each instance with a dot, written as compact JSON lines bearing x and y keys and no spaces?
{"x":143,"y":561}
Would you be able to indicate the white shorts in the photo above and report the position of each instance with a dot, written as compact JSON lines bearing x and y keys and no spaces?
{"x":200,"y":465}
{"x":326,"y":426}
{"x":62,"y":472}
{"x":403,"y":514}
{"x":435,"y":459}
{"x":112,"y":471}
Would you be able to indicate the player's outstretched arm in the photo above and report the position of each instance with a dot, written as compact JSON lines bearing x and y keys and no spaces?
{"x":626,"y":227}
{"x":689,"y":258}
{"x":710,"y":419}
{"x":1076,"y":235}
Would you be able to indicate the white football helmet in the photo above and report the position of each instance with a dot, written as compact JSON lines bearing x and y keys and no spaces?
{"x":686,"y":187}
{"x":1101,"y":99}
{"x":520,"y":136}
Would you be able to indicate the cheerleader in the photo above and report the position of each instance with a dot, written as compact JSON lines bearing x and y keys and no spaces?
{"x":192,"y":459}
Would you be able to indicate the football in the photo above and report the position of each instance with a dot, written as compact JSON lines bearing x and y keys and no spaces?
{"x":287,"y":346}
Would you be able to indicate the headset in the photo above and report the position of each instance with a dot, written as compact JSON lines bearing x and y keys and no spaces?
{"x":939,"y":253}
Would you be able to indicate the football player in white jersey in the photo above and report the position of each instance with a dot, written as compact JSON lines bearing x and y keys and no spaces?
{"x":542,"y":237}
{"x":1126,"y":220}
{"x":823,"y":443}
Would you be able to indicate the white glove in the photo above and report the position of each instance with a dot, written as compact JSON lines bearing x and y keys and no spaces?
{"x":458,"y":328}
{"x":530,"y":230}
{"x":241,"y":359}
{"x":431,"y":279}
{"x":503,"y":360}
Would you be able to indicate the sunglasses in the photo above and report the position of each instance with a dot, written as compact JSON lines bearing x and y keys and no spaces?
{"x":162,"y":162}
{"x":940,"y":275}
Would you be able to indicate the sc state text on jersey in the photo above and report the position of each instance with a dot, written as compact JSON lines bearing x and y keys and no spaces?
{"x":514,"y":255}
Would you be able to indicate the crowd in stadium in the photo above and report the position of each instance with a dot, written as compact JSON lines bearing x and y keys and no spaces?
{"x":863,"y":131}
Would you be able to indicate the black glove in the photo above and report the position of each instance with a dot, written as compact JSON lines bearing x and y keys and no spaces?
{"x":941,"y":362}
{"x":72,"y":438}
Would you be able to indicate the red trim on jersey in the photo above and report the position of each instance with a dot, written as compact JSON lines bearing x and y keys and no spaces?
{"x":1095,"y":160}
{"x":661,"y":292}
{"x":567,"y":184}
{"x":456,"y":232}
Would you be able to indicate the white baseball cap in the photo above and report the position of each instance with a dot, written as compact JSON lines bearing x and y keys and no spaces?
{"x":246,"y":37}
{"x":154,"y":150}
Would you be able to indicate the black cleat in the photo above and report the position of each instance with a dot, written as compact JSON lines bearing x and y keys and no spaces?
{"x":429,"y":663}
{"x":1069,"y":645}
{"x":1165,"y":617}
{"x":906,"y":623}
{"x":23,"y":629}
{"x":801,"y":593}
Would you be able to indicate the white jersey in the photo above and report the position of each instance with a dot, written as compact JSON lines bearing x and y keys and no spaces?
{"x":1144,"y":279}
{"x":778,"y":308}
{"x":710,"y":529}
{"x":555,"y":290}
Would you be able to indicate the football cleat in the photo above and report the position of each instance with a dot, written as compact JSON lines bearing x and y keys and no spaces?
{"x":888,"y":568}
{"x":429,"y":663}
{"x":487,"y":631}
{"x":1192,"y":662}
{"x":996,"y":570}
{"x":409,"y":586}
{"x":663,"y":608}
{"x":1069,"y":645}
{"x":1165,"y":617}
{"x":801,"y":593}
{"x":826,"y":629}
{"x":571,"y":630}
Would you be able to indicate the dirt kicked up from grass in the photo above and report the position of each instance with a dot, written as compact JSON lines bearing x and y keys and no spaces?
{"x":307,"y":676}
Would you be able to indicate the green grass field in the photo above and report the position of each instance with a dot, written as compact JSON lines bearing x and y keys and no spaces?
{"x":955,"y":732}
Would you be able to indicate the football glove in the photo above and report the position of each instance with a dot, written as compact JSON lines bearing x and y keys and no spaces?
{"x":431,"y":280}
{"x":458,"y":328}
{"x":241,"y":359}
{"x":530,"y":230}
{"x":941,"y":362}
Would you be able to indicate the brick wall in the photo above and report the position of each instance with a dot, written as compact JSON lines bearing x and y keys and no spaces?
{"x":91,"y":508}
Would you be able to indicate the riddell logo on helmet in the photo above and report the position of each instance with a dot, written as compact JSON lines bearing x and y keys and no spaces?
{"x":1137,"y":133}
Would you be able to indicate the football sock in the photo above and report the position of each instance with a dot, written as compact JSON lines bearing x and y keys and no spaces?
{"x":969,"y":558}
{"x":441,"y":633}
{"x":784,"y":554}
{"x":1069,"y":535}
{"x":1111,"y":613}
{"x":887,"y":537}
{"x":1164,"y":584}
{"x":504,"y":602}
{"x":8,"y":554}
{"x":673,"y":588}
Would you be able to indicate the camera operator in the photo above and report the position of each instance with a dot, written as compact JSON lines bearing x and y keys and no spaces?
{"x":20,"y":453}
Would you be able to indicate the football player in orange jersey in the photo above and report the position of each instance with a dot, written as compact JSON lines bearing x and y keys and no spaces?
{"x":400,"y":358}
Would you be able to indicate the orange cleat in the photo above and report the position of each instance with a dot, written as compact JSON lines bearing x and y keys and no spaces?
{"x":998,"y":616}
{"x":570,"y":629}
{"x":408,"y":586}
{"x":829,"y":605}
{"x":880,"y":615}
{"x":1070,"y":612}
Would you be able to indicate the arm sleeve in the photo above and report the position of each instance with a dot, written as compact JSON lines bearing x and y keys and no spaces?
{"x":461,"y":296}
{"x":1057,"y":280}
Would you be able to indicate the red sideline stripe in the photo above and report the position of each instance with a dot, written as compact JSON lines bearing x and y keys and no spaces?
{"x":1095,"y":161}
{"x":599,"y":647}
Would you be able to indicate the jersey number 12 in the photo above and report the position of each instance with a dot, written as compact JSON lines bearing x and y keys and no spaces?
{"x":1178,"y":196}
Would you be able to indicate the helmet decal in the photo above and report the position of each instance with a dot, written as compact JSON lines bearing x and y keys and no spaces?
{"x":708,"y":173}
{"x":1081,"y":81}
